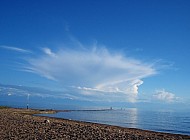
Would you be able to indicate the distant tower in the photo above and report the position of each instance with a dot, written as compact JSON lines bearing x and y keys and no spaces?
{"x":27,"y":105}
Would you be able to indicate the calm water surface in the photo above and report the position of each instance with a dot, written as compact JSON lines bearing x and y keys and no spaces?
{"x":162,"y":121}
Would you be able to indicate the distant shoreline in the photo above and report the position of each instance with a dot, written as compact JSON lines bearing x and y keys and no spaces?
{"x":83,"y":110}
{"x":23,"y":124}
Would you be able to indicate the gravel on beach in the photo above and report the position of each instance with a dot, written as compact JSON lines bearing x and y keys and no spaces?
{"x":20,"y":124}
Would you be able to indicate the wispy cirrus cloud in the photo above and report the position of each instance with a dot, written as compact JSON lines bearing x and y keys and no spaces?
{"x":93,"y":73}
{"x":15,"y":49}
{"x":13,"y":90}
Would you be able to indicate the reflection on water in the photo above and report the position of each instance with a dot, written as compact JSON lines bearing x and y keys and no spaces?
{"x":131,"y":117}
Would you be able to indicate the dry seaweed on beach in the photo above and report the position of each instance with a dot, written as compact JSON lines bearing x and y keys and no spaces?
{"x":20,"y":124}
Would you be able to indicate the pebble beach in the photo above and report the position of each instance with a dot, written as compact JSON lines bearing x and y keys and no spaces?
{"x":21,"y":124}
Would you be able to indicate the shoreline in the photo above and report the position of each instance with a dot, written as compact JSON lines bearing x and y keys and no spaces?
{"x":24,"y":124}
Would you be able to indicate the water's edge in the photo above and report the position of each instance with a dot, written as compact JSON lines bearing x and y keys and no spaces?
{"x":168,"y":122}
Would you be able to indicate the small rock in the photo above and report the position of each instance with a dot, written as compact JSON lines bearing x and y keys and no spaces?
{"x":46,"y":121}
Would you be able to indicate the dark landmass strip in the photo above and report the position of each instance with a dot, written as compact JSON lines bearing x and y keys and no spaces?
{"x":20,"y":124}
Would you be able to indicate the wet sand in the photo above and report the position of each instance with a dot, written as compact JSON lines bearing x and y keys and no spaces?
{"x":20,"y":124}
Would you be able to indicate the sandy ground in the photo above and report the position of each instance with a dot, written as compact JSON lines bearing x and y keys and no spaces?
{"x":19,"y":124}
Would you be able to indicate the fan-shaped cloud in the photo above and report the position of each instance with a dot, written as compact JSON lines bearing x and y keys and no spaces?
{"x":93,"y":73}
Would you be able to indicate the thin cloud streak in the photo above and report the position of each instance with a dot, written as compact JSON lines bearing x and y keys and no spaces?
{"x":15,"y":49}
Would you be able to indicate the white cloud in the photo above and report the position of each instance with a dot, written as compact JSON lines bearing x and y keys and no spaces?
{"x":94,"y":73}
{"x":48,"y":52}
{"x":165,"y":96}
{"x":15,"y":49}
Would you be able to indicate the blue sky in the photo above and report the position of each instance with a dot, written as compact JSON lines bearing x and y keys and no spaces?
{"x":129,"y":51}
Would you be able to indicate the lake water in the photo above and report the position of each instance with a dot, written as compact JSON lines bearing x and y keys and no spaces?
{"x":161,"y":121}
